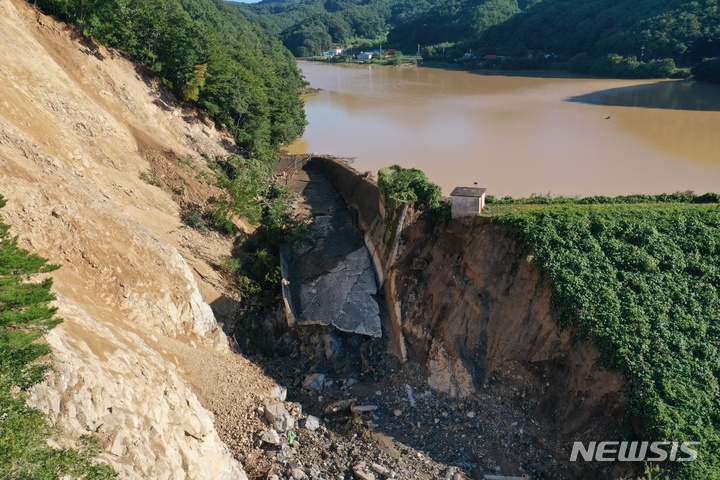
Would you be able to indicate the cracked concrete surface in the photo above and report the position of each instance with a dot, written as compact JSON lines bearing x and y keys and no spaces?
{"x":333,"y":282}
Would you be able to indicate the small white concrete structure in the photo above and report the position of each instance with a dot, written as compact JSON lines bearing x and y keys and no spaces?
{"x":365,"y":56}
{"x":467,"y":201}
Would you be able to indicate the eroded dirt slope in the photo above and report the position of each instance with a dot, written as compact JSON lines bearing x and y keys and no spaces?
{"x":96,"y":165}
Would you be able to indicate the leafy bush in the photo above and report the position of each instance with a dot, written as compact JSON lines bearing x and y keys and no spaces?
{"x":409,"y":185}
{"x":218,"y":217}
{"x":25,"y":315}
{"x":193,"y":218}
{"x":642,"y":282}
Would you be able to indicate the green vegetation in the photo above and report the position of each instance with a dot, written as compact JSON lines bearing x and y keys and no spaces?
{"x":455,"y":25}
{"x":209,"y":55}
{"x":679,"y":197}
{"x":251,"y":193}
{"x":642,"y":282}
{"x":683,"y":30}
{"x":410,"y":185}
{"x":310,"y":27}
{"x":25,"y":315}
{"x":618,"y":38}
{"x":708,"y":70}
{"x":150,"y":179}
{"x":621,"y":38}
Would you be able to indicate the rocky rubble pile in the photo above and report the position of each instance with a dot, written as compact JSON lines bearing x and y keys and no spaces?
{"x":393,"y":426}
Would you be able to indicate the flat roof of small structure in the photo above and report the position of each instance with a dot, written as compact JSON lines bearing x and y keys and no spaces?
{"x":468,"y":192}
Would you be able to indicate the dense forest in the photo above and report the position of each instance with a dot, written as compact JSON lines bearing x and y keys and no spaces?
{"x":309,"y":27}
{"x":600,"y":35}
{"x":209,"y":55}
{"x":621,"y":38}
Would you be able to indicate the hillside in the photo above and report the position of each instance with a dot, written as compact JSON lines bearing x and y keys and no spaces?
{"x":309,"y":27}
{"x":681,"y":30}
{"x":83,"y":134}
{"x":640,"y":281}
{"x":619,"y":38}
{"x":210,"y":56}
{"x":456,"y":21}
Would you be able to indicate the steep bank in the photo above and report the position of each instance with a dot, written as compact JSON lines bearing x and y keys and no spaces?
{"x":96,"y":164}
{"x":475,"y":311}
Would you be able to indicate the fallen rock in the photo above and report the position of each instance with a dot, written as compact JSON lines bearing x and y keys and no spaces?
{"x":279,"y":393}
{"x":298,"y":474}
{"x":271,"y":437}
{"x":340,"y":406}
{"x":316,"y":381}
{"x":410,"y":398}
{"x":382,"y":470}
{"x":362,"y":472}
{"x":312,"y":423}
{"x":279,"y":417}
{"x":363,"y":408}
{"x":296,"y":409}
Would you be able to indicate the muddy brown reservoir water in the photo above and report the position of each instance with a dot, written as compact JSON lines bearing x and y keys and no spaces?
{"x":518,"y":135}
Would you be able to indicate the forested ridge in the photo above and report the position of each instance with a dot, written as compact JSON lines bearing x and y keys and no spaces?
{"x":209,"y":55}
{"x":308,"y":27}
{"x":622,"y":38}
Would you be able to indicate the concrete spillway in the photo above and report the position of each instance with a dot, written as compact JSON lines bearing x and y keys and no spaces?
{"x":331,"y":282}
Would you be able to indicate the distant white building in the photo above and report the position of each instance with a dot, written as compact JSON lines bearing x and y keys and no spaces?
{"x":467,"y":201}
{"x":365,"y":55}
{"x":333,"y":52}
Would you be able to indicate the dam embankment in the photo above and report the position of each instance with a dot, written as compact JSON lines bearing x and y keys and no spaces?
{"x":469,"y":305}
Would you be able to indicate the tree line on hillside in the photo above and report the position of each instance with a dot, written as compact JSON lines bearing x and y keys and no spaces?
{"x":208,"y":54}
{"x":309,"y":27}
{"x":620,"y":38}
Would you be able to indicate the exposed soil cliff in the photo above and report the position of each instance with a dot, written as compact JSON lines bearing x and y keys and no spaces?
{"x":477,"y":312}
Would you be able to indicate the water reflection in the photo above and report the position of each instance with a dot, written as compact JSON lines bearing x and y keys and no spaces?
{"x":673,"y":95}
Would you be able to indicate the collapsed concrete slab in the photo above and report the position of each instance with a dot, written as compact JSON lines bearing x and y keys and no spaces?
{"x":332,"y":282}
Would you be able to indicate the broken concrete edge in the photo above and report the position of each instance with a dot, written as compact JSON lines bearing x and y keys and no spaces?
{"x":398,"y":231}
{"x":326,"y":324}
{"x":395,"y":334}
{"x":374,"y":260}
{"x":285,"y":284}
